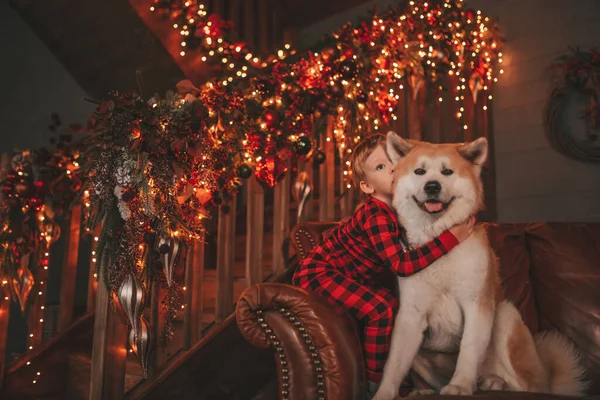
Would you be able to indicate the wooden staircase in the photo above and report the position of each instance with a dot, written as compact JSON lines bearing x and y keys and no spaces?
{"x":66,"y":358}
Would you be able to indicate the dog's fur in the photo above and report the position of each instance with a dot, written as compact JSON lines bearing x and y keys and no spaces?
{"x":458,"y":300}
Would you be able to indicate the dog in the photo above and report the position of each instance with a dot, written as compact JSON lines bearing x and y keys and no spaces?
{"x":457,"y":304}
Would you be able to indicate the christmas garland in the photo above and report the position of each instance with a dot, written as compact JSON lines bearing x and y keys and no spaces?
{"x":155,"y":166}
{"x":38,"y":186}
{"x":578,"y":71}
{"x":354,"y":75}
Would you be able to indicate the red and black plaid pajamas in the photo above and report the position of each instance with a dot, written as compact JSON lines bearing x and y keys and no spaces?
{"x":342,"y":269}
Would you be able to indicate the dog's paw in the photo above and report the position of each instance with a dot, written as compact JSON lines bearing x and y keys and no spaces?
{"x":456,"y":390}
{"x":386,"y":394}
{"x":493,"y":382}
{"x":421,"y":392}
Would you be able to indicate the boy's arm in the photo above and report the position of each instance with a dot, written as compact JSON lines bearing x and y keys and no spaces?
{"x":384,"y":236}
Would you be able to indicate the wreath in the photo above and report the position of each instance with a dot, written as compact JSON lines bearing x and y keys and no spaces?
{"x":577,"y":83}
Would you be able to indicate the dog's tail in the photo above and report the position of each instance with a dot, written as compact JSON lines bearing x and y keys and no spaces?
{"x":563,"y":364}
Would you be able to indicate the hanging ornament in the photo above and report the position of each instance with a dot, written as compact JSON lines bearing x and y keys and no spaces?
{"x":20,"y":161}
{"x":415,"y":83}
{"x":131,"y":299}
{"x":347,"y":69}
{"x":23,"y":283}
{"x":320,"y":157}
{"x":270,"y":170}
{"x":475,"y":84}
{"x":470,"y":14}
{"x":139,"y":342}
{"x":322,"y":106}
{"x":49,"y":229}
{"x":303,"y":146}
{"x":337,"y":90}
{"x":362,"y":97}
{"x":202,"y":195}
{"x":301,"y":191}
{"x":169,"y":250}
{"x":264,"y":86}
{"x":244,"y":171}
{"x":271,"y":118}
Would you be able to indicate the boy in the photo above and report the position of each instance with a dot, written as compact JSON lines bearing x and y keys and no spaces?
{"x":344,"y":266}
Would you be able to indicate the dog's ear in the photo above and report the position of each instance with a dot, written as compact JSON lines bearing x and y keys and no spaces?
{"x":475,"y":152}
{"x":397,"y":147}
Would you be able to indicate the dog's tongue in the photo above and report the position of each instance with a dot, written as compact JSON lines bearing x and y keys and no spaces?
{"x":433,"y":206}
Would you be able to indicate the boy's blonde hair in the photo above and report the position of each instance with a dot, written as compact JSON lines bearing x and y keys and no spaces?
{"x":363,"y":149}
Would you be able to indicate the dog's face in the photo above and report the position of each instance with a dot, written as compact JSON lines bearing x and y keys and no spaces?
{"x":434,"y":180}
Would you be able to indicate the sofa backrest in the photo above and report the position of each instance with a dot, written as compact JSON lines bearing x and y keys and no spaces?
{"x":551,"y":272}
{"x":565,"y":276}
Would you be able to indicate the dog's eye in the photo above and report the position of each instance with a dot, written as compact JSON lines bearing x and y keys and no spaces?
{"x":419,"y":171}
{"x":447,"y":172}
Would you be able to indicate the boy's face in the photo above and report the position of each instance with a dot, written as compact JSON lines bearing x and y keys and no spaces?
{"x":379,"y":174}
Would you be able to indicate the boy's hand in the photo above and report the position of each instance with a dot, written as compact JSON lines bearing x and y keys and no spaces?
{"x":464,"y":230}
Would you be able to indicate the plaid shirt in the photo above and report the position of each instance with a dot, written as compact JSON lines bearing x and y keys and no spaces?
{"x":369,"y":241}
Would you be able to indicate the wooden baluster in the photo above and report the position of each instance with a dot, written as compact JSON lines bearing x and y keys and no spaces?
{"x":69,"y":272}
{"x":249,"y":37}
{"x":414,"y":113}
{"x":35,"y":319}
{"x":327,"y":175}
{"x":449,"y":113}
{"x":193,"y":293}
{"x":93,"y":276}
{"x":159,"y":353}
{"x":281,"y":218}
{"x":235,"y":8}
{"x":263,"y":22}
{"x":468,"y":126}
{"x":225,"y":262}
{"x":342,"y":188}
{"x":4,"y":288}
{"x":255,"y":217}
{"x":400,"y":125}
{"x":217,"y":7}
{"x":309,"y":206}
{"x":4,"y":318}
{"x":434,"y":112}
{"x":109,"y":352}
{"x":489,"y":176}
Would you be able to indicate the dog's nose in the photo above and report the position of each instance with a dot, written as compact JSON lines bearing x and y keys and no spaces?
{"x":433,"y":188}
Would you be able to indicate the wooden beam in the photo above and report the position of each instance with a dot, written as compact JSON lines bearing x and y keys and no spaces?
{"x":69,"y":271}
{"x":225,"y":260}
{"x":109,"y":352}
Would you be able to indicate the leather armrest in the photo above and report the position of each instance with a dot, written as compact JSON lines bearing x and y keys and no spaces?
{"x":306,"y":235}
{"x":317,"y":350}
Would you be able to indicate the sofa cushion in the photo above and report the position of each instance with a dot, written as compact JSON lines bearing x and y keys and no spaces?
{"x":565,"y":262}
{"x":510,"y":244}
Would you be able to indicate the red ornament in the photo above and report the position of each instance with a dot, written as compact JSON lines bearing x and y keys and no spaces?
{"x":270,"y":170}
{"x":271,"y":118}
{"x":470,"y":14}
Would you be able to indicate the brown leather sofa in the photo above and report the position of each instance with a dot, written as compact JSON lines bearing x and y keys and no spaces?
{"x":550,"y":271}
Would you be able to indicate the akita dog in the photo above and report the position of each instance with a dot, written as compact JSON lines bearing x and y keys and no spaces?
{"x":458,"y":300}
